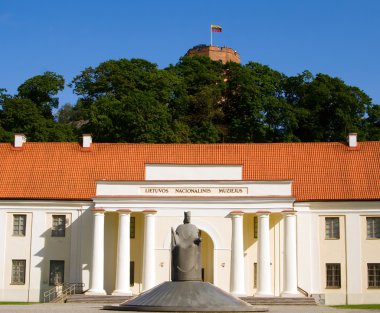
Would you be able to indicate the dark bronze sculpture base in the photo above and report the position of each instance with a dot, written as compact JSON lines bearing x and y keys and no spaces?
{"x":186,"y":296}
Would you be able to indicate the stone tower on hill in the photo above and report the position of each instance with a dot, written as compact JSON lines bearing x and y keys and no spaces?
{"x":215,"y":53}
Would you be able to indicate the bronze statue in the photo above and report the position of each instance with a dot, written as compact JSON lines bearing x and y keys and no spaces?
{"x":186,"y":254}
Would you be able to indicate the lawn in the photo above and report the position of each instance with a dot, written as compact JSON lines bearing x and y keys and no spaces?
{"x":359,"y":306}
{"x":17,"y":303}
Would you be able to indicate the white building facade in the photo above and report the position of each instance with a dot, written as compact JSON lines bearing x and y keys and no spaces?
{"x":67,"y":220}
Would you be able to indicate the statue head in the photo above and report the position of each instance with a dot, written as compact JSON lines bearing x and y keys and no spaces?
{"x":186,"y":220}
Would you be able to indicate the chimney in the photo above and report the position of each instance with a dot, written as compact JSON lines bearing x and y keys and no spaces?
{"x":353,"y":140}
{"x":87,"y":141}
{"x":20,"y":139}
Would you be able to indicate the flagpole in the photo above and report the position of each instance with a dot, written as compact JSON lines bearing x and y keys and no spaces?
{"x":211,"y":34}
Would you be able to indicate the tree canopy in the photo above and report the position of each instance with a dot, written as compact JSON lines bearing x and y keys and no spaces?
{"x":30,"y":110}
{"x":196,"y":100}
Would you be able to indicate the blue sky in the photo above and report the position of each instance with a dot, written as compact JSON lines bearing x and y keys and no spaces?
{"x":337,"y":37}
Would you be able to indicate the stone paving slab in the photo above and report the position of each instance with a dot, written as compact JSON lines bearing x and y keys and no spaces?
{"x":97,"y":307}
{"x":314,"y":309}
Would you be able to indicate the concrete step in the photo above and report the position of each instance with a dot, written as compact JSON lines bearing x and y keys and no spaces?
{"x":82,"y":298}
{"x":279,"y":300}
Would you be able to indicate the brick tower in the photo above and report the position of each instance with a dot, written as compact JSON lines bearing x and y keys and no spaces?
{"x":215,"y":53}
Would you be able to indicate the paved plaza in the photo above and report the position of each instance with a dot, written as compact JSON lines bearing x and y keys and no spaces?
{"x":97,"y":307}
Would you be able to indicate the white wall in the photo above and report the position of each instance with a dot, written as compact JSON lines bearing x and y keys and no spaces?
{"x":353,"y":250}
{"x":17,"y":248}
{"x":3,"y":241}
{"x":193,"y":172}
{"x":37,"y":247}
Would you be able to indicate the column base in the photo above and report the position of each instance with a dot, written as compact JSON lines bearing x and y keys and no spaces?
{"x":263,"y":294}
{"x":92,"y":292}
{"x":290,"y":294}
{"x":239,"y":294}
{"x":122,"y":293}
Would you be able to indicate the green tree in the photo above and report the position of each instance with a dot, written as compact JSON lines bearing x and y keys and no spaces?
{"x":256,"y":109}
{"x":373,"y":123}
{"x":24,"y":116}
{"x":329,"y":108}
{"x":30,"y":111}
{"x":196,"y":100}
{"x":135,"y":118}
{"x":41,"y":89}
{"x":199,"y":108}
{"x":128,"y":100}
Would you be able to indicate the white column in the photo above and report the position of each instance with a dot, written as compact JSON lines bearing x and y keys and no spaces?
{"x":122,"y":286}
{"x":97,"y":270}
{"x":237,"y":282}
{"x":149,"y":253}
{"x":290,"y":254}
{"x":264,"y":283}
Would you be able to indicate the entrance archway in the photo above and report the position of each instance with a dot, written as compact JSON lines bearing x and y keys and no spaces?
{"x":207,"y":253}
{"x":211,"y":244}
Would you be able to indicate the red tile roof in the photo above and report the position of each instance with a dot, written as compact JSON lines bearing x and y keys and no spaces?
{"x":319,"y":171}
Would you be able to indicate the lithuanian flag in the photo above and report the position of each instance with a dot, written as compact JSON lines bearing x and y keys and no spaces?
{"x":216,"y":28}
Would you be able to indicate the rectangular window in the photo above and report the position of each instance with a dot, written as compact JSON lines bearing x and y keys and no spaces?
{"x":254,"y":275}
{"x":255,"y":227}
{"x":333,"y":275}
{"x":332,"y":228}
{"x":131,"y":273}
{"x":19,"y":224}
{"x":18,"y":272}
{"x":373,"y":227}
{"x":132,"y":228}
{"x":57,"y":272}
{"x":373,"y":275}
{"x":58,"y":226}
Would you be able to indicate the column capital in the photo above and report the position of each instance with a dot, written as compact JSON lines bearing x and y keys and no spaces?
{"x":124,"y":211}
{"x":263,"y":212}
{"x":288,"y":212}
{"x":98,"y":210}
{"x":233,"y":213}
{"x":149,"y":211}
